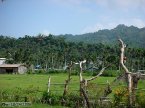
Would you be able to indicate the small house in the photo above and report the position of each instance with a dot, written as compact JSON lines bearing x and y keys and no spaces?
{"x":13,"y":68}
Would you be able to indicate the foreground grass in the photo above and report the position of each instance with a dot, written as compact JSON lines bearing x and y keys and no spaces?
{"x":31,"y":82}
{"x":45,"y":106}
{"x":40,"y":81}
{"x":14,"y":84}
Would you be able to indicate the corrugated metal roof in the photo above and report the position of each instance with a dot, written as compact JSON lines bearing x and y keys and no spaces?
{"x":10,"y":65}
{"x":2,"y":58}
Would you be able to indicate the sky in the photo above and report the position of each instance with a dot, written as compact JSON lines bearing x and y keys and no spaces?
{"x":31,"y":17}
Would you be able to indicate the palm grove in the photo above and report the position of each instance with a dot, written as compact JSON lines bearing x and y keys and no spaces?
{"x":54,"y":52}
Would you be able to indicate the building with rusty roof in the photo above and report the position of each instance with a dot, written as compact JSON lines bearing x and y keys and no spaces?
{"x":12,"y":68}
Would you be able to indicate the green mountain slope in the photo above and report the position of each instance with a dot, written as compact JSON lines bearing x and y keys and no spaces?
{"x":133,"y":36}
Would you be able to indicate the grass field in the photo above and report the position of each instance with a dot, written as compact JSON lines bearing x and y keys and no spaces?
{"x":13,"y":84}
{"x":40,"y":81}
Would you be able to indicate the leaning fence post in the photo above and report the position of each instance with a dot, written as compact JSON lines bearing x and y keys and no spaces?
{"x":49,"y":79}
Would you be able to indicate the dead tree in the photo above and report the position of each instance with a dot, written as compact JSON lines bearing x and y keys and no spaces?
{"x":131,"y":78}
{"x":67,"y":81}
{"x":84,"y":83}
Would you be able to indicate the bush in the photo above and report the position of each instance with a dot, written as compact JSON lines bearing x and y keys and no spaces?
{"x":70,"y":100}
{"x":107,"y":73}
{"x":73,"y":100}
{"x":140,"y":99}
{"x":111,"y":73}
{"x":55,"y":71}
{"x":20,"y":95}
{"x":120,"y":95}
{"x":39,"y":71}
{"x":4,"y":95}
{"x":50,"y":98}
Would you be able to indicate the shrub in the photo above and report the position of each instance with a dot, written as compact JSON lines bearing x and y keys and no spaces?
{"x":55,"y":71}
{"x":110,"y":73}
{"x":70,"y":100}
{"x":73,"y":100}
{"x":120,"y":95}
{"x":140,"y":99}
{"x":39,"y":71}
{"x":4,"y":95}
{"x":20,"y":95}
{"x":50,"y":98}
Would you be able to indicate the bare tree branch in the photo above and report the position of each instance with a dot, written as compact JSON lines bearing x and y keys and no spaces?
{"x":81,"y":70}
{"x":100,"y":73}
{"x":122,"y":56}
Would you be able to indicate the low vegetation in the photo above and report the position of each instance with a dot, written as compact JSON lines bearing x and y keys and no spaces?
{"x":33,"y":88}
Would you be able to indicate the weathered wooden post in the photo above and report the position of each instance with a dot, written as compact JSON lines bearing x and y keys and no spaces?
{"x":68,"y":79}
{"x":49,"y":79}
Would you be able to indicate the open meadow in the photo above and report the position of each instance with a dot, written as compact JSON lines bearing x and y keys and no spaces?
{"x":32,"y":87}
{"x":8,"y":81}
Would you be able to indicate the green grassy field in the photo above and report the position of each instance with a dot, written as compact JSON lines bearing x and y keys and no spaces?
{"x":41,"y":81}
{"x":14,"y":84}
{"x":36,"y":84}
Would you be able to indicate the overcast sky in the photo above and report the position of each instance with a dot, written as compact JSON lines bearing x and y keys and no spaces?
{"x":31,"y":17}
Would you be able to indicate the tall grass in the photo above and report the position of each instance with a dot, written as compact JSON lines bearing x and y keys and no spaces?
{"x":31,"y":87}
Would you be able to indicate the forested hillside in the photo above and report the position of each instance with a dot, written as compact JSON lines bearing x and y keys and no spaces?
{"x":133,"y":36}
{"x":55,"y":52}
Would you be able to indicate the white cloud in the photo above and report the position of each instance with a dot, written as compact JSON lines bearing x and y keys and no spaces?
{"x":110,"y":3}
{"x":45,"y":32}
{"x":133,"y":21}
{"x":98,"y":26}
{"x":110,"y":25}
{"x":79,"y":5}
{"x":123,"y":5}
{"x":130,"y":3}
{"x":87,"y":6}
{"x":70,"y":2}
{"x":136,"y":22}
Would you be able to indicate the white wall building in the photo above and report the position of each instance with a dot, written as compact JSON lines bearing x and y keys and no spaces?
{"x":2,"y":60}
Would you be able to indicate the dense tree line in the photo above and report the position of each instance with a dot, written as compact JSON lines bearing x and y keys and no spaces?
{"x":52,"y":52}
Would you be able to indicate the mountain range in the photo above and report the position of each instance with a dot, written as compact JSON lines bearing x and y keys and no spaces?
{"x":133,"y":36}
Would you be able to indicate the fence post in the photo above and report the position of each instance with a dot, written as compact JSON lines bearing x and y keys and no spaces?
{"x":49,"y":79}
